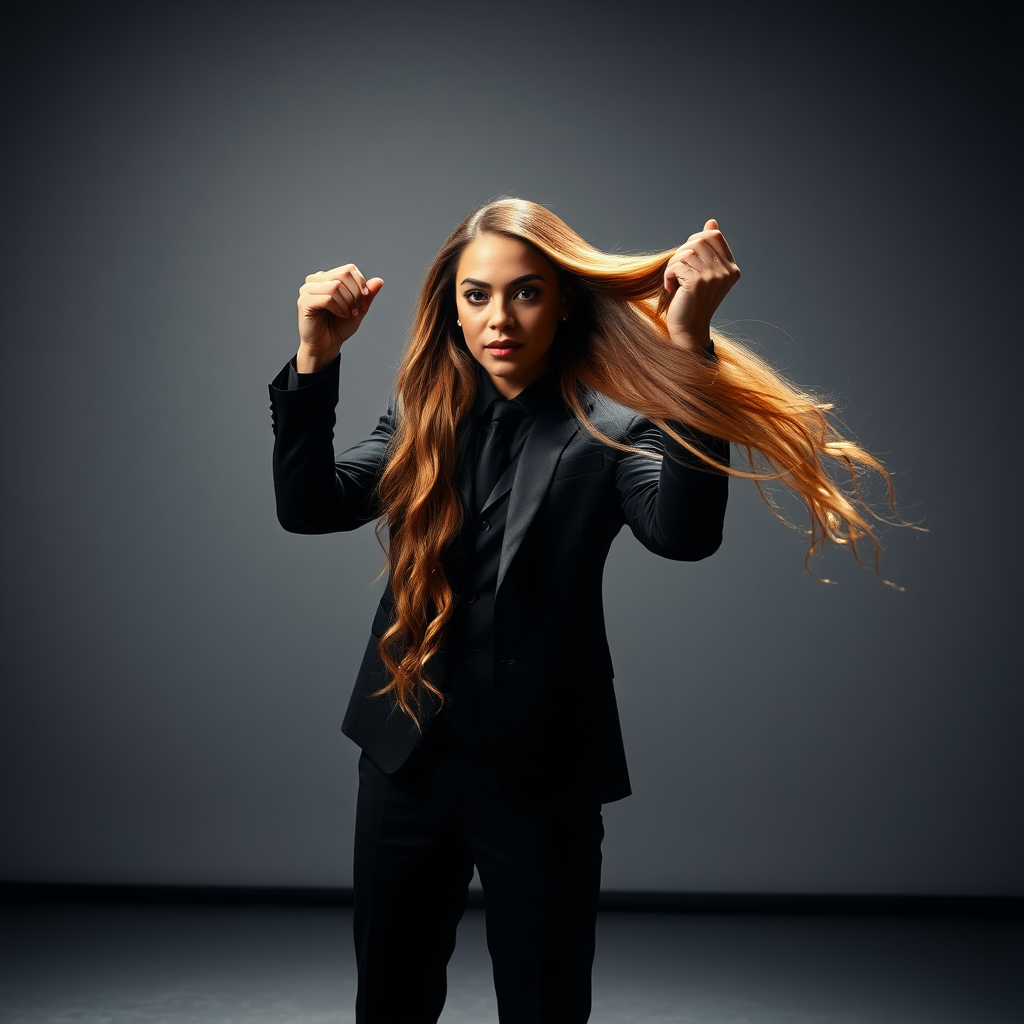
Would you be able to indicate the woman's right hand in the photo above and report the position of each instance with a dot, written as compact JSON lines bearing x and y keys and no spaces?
{"x":332,"y":304}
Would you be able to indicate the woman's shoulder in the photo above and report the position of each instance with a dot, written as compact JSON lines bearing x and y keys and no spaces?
{"x":611,"y":418}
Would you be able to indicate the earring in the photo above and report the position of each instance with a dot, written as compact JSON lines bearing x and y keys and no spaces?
{"x":566,"y":317}
{"x":459,"y":322}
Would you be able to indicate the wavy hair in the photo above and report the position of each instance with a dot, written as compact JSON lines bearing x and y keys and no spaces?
{"x":616,"y":343}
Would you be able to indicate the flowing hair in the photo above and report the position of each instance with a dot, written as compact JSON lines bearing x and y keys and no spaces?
{"x":616,"y":343}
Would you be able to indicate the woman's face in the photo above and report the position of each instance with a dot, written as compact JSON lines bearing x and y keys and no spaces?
{"x":510,"y":302}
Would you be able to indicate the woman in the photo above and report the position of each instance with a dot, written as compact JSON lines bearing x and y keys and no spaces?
{"x":550,"y":394}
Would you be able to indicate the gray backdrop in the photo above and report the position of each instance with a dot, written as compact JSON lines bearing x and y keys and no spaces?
{"x":176,"y":666}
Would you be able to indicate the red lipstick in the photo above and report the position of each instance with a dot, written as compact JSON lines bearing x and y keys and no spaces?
{"x":502,"y":347}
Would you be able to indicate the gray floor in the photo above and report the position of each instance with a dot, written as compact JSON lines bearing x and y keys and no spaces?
{"x":89,"y":964}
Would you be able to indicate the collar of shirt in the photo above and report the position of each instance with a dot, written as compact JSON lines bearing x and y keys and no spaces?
{"x":532,"y":399}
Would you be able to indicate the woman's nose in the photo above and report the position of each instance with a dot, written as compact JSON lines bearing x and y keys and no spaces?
{"x":500,"y":316}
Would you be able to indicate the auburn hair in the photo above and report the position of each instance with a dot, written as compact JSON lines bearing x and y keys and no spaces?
{"x":616,"y":343}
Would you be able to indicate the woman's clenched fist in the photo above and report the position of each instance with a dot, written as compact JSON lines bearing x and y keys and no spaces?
{"x":331,"y":305}
{"x":697,"y":278}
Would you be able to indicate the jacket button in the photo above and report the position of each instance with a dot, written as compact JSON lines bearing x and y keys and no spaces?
{"x":484,"y":526}
{"x":508,"y":661}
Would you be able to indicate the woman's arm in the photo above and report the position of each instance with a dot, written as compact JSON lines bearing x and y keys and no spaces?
{"x":674,"y":506}
{"x":316,"y":492}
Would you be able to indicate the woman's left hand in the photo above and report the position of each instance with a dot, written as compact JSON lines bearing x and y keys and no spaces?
{"x":698,"y":276}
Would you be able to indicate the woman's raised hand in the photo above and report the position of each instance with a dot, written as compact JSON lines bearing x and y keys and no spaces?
{"x":332,"y":304}
{"x":698,"y":276}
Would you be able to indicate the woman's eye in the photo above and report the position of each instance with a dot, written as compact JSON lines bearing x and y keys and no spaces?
{"x":526,"y":293}
{"x":475,"y":295}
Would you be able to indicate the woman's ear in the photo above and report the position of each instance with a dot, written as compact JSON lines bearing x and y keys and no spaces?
{"x":566,"y":300}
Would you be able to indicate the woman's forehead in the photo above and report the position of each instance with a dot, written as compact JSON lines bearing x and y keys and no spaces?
{"x":495,"y":258}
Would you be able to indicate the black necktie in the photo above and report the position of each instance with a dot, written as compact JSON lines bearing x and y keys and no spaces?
{"x":494,"y":452}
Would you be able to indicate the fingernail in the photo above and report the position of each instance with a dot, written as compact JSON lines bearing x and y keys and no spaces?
{"x":366,"y":291}
{"x":355,"y":312}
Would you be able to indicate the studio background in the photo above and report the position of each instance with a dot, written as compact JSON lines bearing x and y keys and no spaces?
{"x":176,"y":666}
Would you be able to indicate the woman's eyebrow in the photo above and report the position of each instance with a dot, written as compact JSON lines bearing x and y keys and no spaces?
{"x":512,"y":284}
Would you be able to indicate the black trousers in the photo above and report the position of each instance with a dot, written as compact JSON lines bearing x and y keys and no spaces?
{"x":418,"y":835}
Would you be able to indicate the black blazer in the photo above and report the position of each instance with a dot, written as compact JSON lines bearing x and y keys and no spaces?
{"x":557,"y":740}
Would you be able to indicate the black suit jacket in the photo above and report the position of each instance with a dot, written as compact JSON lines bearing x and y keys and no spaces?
{"x":557,"y":740}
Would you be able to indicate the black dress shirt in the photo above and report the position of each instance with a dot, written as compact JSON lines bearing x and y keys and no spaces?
{"x":473,"y":564}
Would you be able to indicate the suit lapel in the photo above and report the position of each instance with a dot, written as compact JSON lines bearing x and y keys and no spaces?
{"x":503,"y":485}
{"x":545,"y":443}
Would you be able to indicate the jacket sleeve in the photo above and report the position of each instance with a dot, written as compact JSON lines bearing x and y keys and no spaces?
{"x":316,"y":491}
{"x":674,"y":504}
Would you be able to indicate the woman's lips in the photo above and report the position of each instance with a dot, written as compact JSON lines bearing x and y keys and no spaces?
{"x":502,"y":348}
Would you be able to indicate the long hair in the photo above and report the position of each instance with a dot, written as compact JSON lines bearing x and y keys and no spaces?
{"x":616,"y":343}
